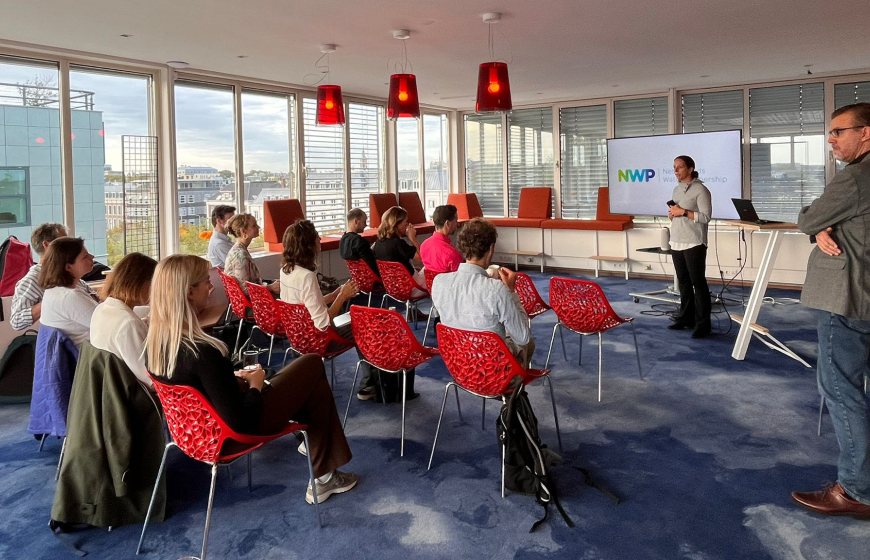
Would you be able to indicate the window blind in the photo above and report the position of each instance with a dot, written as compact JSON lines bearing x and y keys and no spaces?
{"x":583,"y":147}
{"x":709,"y":112}
{"x":324,"y":172}
{"x":366,"y":140}
{"x":484,"y":175}
{"x":640,"y":117}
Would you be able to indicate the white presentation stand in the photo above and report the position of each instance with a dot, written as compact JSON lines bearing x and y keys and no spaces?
{"x":670,"y":294}
{"x":748,"y":325}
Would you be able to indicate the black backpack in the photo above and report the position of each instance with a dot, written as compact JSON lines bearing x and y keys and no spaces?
{"x":16,"y":369}
{"x":527,"y":460}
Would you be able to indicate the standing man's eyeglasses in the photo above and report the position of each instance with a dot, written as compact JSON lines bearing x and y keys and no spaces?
{"x":835,"y":132}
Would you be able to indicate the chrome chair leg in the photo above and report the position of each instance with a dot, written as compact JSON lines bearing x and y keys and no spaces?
{"x":154,"y":494}
{"x":636,"y":351}
{"x":579,"y":349}
{"x":404,"y":400}
{"x":370,"y":300}
{"x":311,"y":480}
{"x":564,"y":348}
{"x":214,"y":469}
{"x":600,"y":357}
{"x":60,"y":459}
{"x":42,"y":441}
{"x":271,"y":346}
{"x":503,"y":459}
{"x":429,"y":320}
{"x":483,"y":414}
{"x":458,"y":409}
{"x":550,"y":349}
{"x":238,"y":336}
{"x":438,"y":426}
{"x":350,"y":397}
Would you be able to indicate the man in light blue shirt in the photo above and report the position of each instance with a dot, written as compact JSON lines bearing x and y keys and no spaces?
{"x":472,"y":300}
{"x":219,"y":244}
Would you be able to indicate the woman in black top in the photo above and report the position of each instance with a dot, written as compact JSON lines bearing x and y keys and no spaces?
{"x":179,"y":350}
{"x":391,"y":244}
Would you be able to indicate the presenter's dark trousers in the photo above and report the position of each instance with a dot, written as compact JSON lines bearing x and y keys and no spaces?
{"x":690,"y":266}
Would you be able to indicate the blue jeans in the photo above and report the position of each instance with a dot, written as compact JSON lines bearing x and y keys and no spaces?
{"x":844,"y":362}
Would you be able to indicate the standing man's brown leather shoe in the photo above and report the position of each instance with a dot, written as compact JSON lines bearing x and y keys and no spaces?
{"x":832,"y":500}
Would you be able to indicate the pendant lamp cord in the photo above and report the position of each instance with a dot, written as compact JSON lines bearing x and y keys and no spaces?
{"x":490,"y":44}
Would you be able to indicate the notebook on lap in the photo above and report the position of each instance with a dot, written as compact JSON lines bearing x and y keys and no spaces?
{"x":747,"y":212}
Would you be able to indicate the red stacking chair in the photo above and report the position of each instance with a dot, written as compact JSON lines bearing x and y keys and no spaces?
{"x":265,"y":314}
{"x":386,"y":342}
{"x":304,"y":338}
{"x":364,"y":277}
{"x":533,"y":303}
{"x":483,"y":365}
{"x":430,"y":276}
{"x":582,"y":307}
{"x":400,"y":285}
{"x":202,"y":435}
{"x":239,"y":302}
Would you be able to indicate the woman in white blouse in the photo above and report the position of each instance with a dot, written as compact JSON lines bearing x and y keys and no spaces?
{"x":114,"y":326}
{"x":67,"y":304}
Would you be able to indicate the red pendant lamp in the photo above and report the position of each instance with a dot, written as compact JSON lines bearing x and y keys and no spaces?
{"x":330,"y":105}
{"x":493,"y":84}
{"x":402,"y":101}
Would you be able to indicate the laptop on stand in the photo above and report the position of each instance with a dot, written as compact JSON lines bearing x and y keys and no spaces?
{"x":747,"y":212}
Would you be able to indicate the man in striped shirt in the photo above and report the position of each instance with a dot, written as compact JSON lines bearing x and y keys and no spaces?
{"x":27,"y":299}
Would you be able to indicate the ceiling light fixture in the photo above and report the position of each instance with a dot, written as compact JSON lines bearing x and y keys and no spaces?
{"x":402,"y":101}
{"x":330,"y":105}
{"x":493,"y":84}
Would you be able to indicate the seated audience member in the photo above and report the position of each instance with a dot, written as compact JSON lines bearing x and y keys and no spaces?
{"x":67,"y":304}
{"x":114,"y":326}
{"x":353,"y":246}
{"x":26,"y":301}
{"x":239,"y":263}
{"x":181,"y":352}
{"x":438,"y":253}
{"x":391,"y":244}
{"x":219,"y":244}
{"x":299,"y":285}
{"x":469,"y":299}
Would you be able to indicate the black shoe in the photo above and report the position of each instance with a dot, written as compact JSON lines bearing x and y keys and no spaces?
{"x":702,"y":332}
{"x":679,"y":325}
{"x":367,"y":393}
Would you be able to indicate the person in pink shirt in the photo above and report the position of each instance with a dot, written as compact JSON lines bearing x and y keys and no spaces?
{"x":438,"y":253}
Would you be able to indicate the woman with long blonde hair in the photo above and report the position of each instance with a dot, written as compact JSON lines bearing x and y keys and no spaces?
{"x":180,"y":351}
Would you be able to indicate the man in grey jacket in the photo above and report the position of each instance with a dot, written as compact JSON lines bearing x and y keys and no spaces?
{"x":838,"y":284}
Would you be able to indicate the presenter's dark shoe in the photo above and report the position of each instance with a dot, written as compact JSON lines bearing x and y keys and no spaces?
{"x":702,"y":331}
{"x":832,"y":500}
{"x":680,"y":325}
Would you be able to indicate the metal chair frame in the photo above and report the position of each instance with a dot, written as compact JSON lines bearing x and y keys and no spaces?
{"x":364,"y":277}
{"x":290,"y":314}
{"x":399,"y":286}
{"x":266,"y":319}
{"x":239,"y":304}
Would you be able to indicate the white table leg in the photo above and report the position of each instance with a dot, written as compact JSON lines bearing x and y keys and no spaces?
{"x":759,"y":287}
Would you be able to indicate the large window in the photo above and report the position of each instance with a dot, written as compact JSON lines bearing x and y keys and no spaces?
{"x":269,"y":155}
{"x":408,"y":154}
{"x":366,"y":137}
{"x":583,"y":145}
{"x":713,"y":111}
{"x":787,"y":151}
{"x":114,"y":163}
{"x":484,"y":160}
{"x":435,"y":160}
{"x":530,"y":152}
{"x":640,"y":117}
{"x":855,"y":92}
{"x":324,"y":172}
{"x":205,"y":153}
{"x":31,"y":190}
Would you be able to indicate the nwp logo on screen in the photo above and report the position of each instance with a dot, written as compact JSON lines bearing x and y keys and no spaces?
{"x":635,"y":175}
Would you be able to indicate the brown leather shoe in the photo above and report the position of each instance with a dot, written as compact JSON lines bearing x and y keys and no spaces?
{"x":832,"y":500}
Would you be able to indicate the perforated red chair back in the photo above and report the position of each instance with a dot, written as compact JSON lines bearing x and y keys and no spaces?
{"x":532,"y":301}
{"x":582,"y":306}
{"x":265,"y":312}
{"x":239,"y":302}
{"x":430,"y":276}
{"x":398,"y":282}
{"x":193,"y":423}
{"x":362,"y":274}
{"x":303,"y":336}
{"x":480,"y":362}
{"x":386,"y":340}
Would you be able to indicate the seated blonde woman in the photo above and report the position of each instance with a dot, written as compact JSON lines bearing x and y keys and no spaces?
{"x":178,"y":350}
{"x":239,"y":264}
{"x":114,"y":326}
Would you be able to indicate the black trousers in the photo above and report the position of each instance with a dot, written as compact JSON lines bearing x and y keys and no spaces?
{"x":690,"y":266}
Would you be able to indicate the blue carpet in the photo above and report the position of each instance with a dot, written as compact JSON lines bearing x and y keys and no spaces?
{"x":704,"y":453}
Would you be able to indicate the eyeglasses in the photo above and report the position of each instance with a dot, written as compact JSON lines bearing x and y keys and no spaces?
{"x":835,"y":132}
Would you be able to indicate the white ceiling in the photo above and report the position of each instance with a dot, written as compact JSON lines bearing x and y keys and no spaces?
{"x":556,"y":49}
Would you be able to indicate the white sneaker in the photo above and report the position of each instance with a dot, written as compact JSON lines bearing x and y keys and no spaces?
{"x":338,"y":483}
